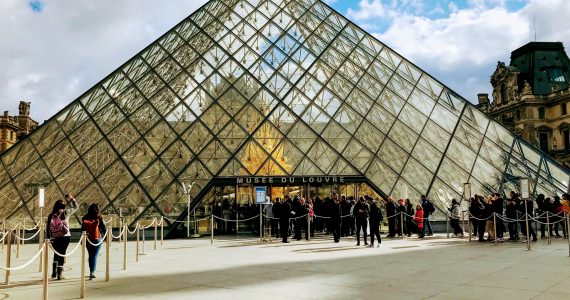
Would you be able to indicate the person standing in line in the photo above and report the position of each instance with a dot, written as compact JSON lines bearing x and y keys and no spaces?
{"x":335,"y":214}
{"x":93,"y":224}
{"x":472,"y":211}
{"x":351,"y":218}
{"x":284,"y":214}
{"x":558,"y":211}
{"x":299,"y":222}
{"x":345,"y":208}
{"x":400,"y":219}
{"x":454,"y":218}
{"x":58,"y":231}
{"x":480,"y":213}
{"x":391,"y":215}
{"x":361,"y":212}
{"x":498,"y":207}
{"x":489,"y":216}
{"x":311,"y":217}
{"x":268,"y":212}
{"x":409,"y":218}
{"x":419,"y":219}
{"x":428,"y":209}
{"x":529,"y":209}
{"x":375,"y":219}
{"x":541,"y":214}
{"x":511,"y":213}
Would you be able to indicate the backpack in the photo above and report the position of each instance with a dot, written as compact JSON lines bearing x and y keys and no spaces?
{"x":92,"y":229}
{"x":57,"y":228}
{"x":431,"y":207}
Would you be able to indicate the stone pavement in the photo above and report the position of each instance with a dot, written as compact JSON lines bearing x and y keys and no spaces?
{"x":240,"y":268}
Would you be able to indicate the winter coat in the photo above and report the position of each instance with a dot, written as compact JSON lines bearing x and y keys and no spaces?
{"x":418,"y":218}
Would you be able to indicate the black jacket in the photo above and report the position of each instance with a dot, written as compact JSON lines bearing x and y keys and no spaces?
{"x":361,"y":210}
{"x":511,"y":210}
{"x":285,"y":211}
{"x":410,"y":213}
{"x":375,"y":214}
{"x":390,"y":209}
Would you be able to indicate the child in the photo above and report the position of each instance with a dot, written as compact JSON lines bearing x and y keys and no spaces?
{"x":419,"y":219}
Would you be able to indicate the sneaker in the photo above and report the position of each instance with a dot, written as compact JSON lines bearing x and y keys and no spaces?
{"x":365,"y":244}
{"x":357,"y":244}
{"x":92,"y":276}
{"x":371,"y":246}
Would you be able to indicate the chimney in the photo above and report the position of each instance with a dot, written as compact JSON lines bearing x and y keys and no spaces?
{"x":483,"y":99}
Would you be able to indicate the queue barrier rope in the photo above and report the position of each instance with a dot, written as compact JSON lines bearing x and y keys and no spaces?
{"x":72,"y":252}
{"x":26,"y":264}
{"x":104,"y":238}
{"x":240,"y":220}
{"x":29,"y":238}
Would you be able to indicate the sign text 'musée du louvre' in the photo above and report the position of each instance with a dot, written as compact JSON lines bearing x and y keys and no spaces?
{"x":292,"y":180}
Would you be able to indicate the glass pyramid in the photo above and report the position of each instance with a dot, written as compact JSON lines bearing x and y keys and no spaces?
{"x":265,"y":88}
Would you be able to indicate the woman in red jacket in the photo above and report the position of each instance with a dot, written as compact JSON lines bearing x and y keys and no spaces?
{"x":419,"y":219}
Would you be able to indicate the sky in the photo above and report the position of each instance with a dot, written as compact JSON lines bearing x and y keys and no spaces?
{"x":52,"y":51}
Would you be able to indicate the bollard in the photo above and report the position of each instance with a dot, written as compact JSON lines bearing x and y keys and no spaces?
{"x":161,"y":231}
{"x":23,"y":233}
{"x":447,"y":224}
{"x":495,"y":227}
{"x":45,"y":267}
{"x":3,"y":230}
{"x":402,"y":225}
{"x":8,"y":257}
{"x":108,"y":251}
{"x":463,"y":220}
{"x":155,"y":232}
{"x":260,"y":223}
{"x":121,"y":226}
{"x":41,"y":238}
{"x":138,"y":237}
{"x":82,"y":280}
{"x":212,"y":231}
{"x":125,"y":229}
{"x":548,"y":226}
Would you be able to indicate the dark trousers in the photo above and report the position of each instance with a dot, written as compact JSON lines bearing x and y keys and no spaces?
{"x":361,"y":224}
{"x":500,"y":228}
{"x":475,"y":224}
{"x":335,"y":229}
{"x":274,"y":227}
{"x":345,"y":226}
{"x":513,"y":230}
{"x":60,"y":245}
{"x":427,"y":225}
{"x":392,"y":225}
{"x":375,"y":231}
{"x":284,"y":224}
{"x":93,"y":254}
{"x":300,"y":223}
{"x":481,"y":229}
{"x":531,"y":232}
{"x":456,"y":228}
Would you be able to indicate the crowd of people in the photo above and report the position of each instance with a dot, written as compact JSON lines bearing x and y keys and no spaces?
{"x":345,"y":216}
{"x":490,"y":214}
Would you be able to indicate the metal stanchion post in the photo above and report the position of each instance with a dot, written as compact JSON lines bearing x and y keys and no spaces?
{"x":447,"y":224}
{"x":161,"y":231}
{"x":548,"y":226}
{"x":3,"y":230}
{"x":308,"y":226}
{"x":107,"y":258}
{"x":143,"y":240}
{"x":260,"y":223}
{"x":17,"y":240}
{"x":40,"y":245}
{"x":45,"y":269}
{"x":463,"y":220}
{"x":8,"y":256}
{"x":23,"y":233}
{"x":568,"y":231}
{"x":212,"y":231}
{"x":402,"y":225}
{"x":125,"y":232}
{"x":469,"y":226}
{"x":495,"y":227}
{"x":138,"y":237}
{"x":83,"y":247}
{"x":121,"y":226}
{"x":527,"y":225}
{"x":155,"y":232}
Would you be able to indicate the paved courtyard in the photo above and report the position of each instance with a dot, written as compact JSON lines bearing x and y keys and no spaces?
{"x":239,"y":268}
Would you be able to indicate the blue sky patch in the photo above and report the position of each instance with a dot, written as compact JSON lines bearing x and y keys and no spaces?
{"x":36,"y":6}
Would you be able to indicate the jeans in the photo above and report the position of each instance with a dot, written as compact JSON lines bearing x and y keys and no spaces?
{"x":93,"y":254}
{"x":428,"y":225}
{"x":456,"y":228}
{"x":60,"y":245}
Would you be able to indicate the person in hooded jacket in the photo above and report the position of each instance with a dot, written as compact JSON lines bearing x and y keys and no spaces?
{"x":410,"y":226}
{"x":57,"y":230}
{"x":511,"y":214}
{"x":374,"y":220}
